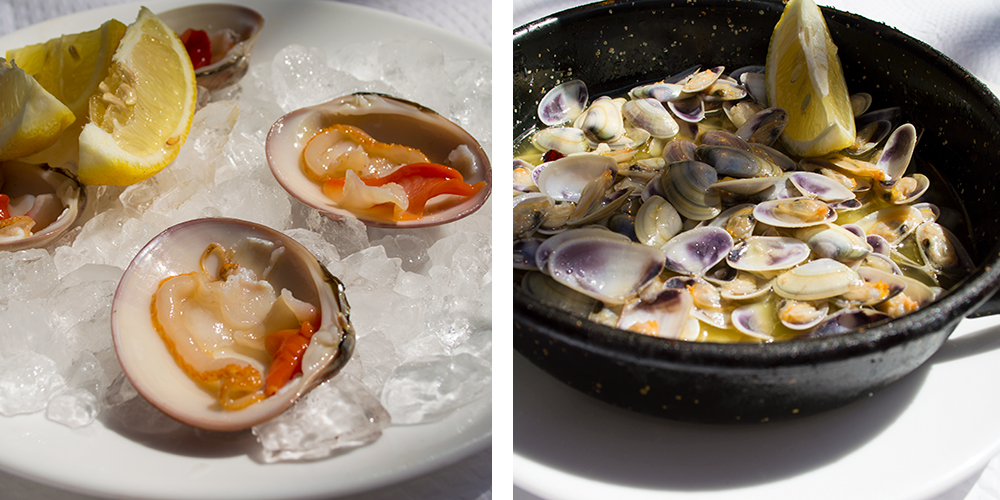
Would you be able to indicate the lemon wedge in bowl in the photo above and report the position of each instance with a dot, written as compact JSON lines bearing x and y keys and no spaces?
{"x":31,"y":118}
{"x":804,"y":76}
{"x":142,"y":112}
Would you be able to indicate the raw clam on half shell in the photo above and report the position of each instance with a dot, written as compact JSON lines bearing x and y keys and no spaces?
{"x":271,"y":257}
{"x":390,"y":121}
{"x":232,"y":29}
{"x":45,"y":202}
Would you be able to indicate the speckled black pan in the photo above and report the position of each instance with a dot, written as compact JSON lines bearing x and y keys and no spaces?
{"x":613,"y":46}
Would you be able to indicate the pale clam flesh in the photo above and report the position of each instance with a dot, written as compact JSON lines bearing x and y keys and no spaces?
{"x":45,"y":202}
{"x":389,"y":120}
{"x":278,"y":263}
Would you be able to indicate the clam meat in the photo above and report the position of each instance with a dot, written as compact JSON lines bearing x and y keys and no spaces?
{"x":38,"y":204}
{"x":219,"y":39}
{"x":704,"y":228}
{"x":386,"y":161}
{"x":223,"y":324}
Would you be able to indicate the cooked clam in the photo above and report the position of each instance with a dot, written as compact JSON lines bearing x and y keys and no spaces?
{"x":232,"y":30}
{"x":40,"y":204}
{"x":199,"y":303}
{"x":387,"y":126}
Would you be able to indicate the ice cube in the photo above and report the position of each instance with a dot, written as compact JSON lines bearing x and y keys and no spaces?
{"x":26,"y":326}
{"x":73,"y":408}
{"x":27,"y":274}
{"x":27,"y":381}
{"x":426,"y":390}
{"x":339,"y":414}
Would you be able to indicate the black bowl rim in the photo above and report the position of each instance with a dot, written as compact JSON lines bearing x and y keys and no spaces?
{"x":945,"y":313}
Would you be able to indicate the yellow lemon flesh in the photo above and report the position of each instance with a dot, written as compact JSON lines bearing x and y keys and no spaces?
{"x":31,"y":119}
{"x":70,"y":67}
{"x":804,"y":76}
{"x":142,"y":112}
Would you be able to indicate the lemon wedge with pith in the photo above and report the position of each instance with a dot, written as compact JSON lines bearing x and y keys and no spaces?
{"x":142,"y":112}
{"x":804,"y":76}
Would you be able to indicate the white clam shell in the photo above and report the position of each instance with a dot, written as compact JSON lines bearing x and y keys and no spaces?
{"x":387,"y":119}
{"x":18,"y":179}
{"x":154,"y":372}
{"x":244,"y":22}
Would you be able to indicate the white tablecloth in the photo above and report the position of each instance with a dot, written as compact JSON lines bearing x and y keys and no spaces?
{"x":469,"y":479}
{"x":966,"y":31}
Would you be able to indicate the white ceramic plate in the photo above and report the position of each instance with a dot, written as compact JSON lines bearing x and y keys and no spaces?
{"x":98,"y":460}
{"x":913,"y":440}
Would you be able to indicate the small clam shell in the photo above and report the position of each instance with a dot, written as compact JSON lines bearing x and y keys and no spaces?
{"x":941,"y":249}
{"x":845,"y":321}
{"x":53,"y":198}
{"x":834,"y":242}
{"x":897,"y":152}
{"x":799,"y":315}
{"x":690,"y":109}
{"x":687,"y":186}
{"x":607,"y":269}
{"x":566,"y":140}
{"x":563,"y":103}
{"x":285,"y":264}
{"x":893,"y":223}
{"x":703,"y":79}
{"x":816,"y":280}
{"x":649,"y":115}
{"x":657,"y":222}
{"x":389,"y":120}
{"x":767,"y":253}
{"x":757,"y":320}
{"x":819,"y":186}
{"x":530,"y":211}
{"x":764,"y":127}
{"x":565,"y":179}
{"x":602,"y":121}
{"x":694,"y":252}
{"x":663,"y":315}
{"x":233,"y":24}
{"x":545,"y":249}
{"x":794,"y":212}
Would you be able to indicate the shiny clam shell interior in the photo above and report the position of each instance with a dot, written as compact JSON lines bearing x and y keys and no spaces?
{"x":245,"y":24}
{"x":154,"y":372}
{"x":19,"y":179}
{"x":389,"y":120}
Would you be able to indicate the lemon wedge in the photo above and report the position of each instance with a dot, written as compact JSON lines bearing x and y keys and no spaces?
{"x":804,"y":76}
{"x":31,"y":118}
{"x":142,"y":112}
{"x":70,"y":67}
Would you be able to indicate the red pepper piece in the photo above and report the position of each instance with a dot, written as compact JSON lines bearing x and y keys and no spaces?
{"x":198,"y":46}
{"x":421,"y":181}
{"x":287,"y":348}
{"x":552,"y":155}
{"x":4,"y":207}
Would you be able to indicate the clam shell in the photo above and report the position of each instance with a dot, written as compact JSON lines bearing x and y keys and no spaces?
{"x":387,"y":119}
{"x":154,"y":372}
{"x":245,"y":22}
{"x":18,"y":179}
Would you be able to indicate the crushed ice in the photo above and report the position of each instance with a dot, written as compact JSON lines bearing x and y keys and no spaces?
{"x":421,"y":298}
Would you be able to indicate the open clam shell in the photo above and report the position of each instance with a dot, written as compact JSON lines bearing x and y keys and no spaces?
{"x":282,"y":261}
{"x":224,"y":23}
{"x":56,"y":199}
{"x":389,"y":120}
